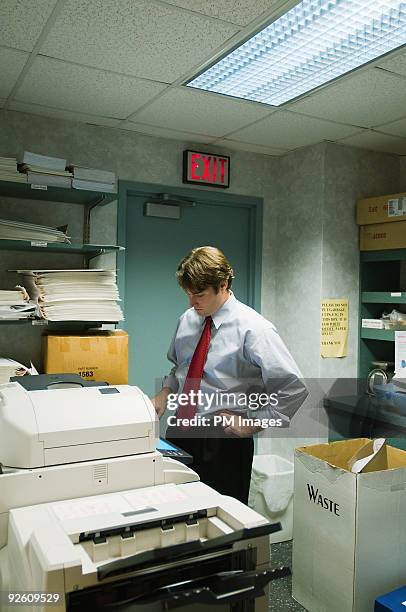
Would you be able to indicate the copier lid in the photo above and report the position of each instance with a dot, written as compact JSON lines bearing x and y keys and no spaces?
{"x":55,"y":426}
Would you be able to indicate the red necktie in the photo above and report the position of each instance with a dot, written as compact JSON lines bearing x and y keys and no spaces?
{"x":195,"y":371}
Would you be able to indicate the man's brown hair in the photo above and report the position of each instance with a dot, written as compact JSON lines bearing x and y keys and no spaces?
{"x":204,"y":267}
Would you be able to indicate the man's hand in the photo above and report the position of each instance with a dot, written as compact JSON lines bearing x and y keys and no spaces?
{"x":160,"y":400}
{"x":235,"y":429}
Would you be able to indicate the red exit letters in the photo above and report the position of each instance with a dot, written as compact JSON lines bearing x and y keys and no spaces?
{"x":206,"y":169}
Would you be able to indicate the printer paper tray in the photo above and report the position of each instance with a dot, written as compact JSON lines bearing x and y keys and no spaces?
{"x":182,"y":551}
{"x":226,"y":578}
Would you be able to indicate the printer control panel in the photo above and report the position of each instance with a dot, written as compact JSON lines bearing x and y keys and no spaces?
{"x":167,"y":449}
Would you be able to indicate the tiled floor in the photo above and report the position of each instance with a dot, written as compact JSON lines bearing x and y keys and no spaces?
{"x":281,"y":590}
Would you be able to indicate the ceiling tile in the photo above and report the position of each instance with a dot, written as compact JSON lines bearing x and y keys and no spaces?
{"x":396,"y":128}
{"x":288,"y":131}
{"x":139,"y":37}
{"x":397,"y":63}
{"x":240,"y":12}
{"x":367,"y":98}
{"x":161,"y":132}
{"x":246,"y":146}
{"x":375,"y":141}
{"x":46,"y":111}
{"x":201,"y":112}
{"x":21,"y":22}
{"x":65,"y":86}
{"x":11,"y":64}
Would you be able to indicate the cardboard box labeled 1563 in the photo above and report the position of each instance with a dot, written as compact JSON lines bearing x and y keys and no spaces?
{"x":99,"y":356}
{"x":349,"y":534}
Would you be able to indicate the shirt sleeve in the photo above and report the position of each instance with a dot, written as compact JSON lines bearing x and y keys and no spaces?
{"x":281,"y":376}
{"x":171,"y":380}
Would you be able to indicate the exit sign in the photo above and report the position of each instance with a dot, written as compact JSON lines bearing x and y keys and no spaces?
{"x":206,"y":169}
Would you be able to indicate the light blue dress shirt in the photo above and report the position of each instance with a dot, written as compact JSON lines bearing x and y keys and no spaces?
{"x":246,"y":357}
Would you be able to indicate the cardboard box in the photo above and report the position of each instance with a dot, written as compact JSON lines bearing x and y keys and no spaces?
{"x":383,"y":209}
{"x":102,"y":356}
{"x":349,"y":535}
{"x":382,"y":236}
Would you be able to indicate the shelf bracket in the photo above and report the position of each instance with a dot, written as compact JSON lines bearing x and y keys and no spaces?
{"x":87,"y":216}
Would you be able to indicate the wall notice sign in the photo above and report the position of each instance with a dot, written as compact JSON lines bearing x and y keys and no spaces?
{"x":400,"y":353}
{"x":334,"y":328}
{"x":206,"y":169}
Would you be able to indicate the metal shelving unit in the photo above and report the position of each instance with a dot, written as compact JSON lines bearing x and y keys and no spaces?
{"x":58,"y":247}
{"x":377,"y":334}
{"x":48,"y":193}
{"x":89,"y":200}
{"x":383,"y":297}
{"x":380,"y":289}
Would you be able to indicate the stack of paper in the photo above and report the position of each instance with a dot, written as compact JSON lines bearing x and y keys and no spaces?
{"x":93,"y":179}
{"x":9,"y":367}
{"x":17,"y":230}
{"x":9,"y":172}
{"x":15,"y":304}
{"x":44,"y":170}
{"x":74,"y":295}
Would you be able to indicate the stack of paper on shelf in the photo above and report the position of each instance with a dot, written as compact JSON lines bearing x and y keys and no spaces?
{"x":15,"y":304}
{"x":9,"y":368}
{"x":44,"y":170}
{"x":74,"y":295}
{"x":17,"y":230}
{"x":93,"y":179}
{"x":9,"y":172}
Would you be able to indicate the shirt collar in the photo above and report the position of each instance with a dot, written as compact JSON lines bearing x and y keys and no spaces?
{"x":225,"y":311}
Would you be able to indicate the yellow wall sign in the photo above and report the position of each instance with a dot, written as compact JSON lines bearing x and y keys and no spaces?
{"x":334,"y":328}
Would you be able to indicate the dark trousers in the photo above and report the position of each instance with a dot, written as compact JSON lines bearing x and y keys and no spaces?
{"x":223,"y":463}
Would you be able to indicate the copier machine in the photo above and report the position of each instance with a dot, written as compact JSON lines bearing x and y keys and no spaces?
{"x":94,"y":517}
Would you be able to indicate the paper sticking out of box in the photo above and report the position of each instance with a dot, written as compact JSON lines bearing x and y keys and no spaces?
{"x":349,"y":536}
{"x":368,"y":458}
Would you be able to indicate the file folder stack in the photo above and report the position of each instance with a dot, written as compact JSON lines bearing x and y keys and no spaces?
{"x":74,"y":295}
{"x":17,"y":230}
{"x":9,"y":172}
{"x":15,"y":304}
{"x":44,"y":170}
{"x":93,"y":179}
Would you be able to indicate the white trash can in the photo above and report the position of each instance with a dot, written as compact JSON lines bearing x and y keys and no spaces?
{"x":271,"y":492}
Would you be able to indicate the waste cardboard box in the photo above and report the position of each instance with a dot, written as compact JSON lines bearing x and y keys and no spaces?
{"x":271,"y":493}
{"x":395,"y":601}
{"x":349,"y":535}
{"x":94,"y":356}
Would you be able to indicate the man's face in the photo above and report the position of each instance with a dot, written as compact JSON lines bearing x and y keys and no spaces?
{"x":208,"y":301}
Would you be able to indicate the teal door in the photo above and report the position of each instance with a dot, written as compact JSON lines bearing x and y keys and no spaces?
{"x":153,"y":300}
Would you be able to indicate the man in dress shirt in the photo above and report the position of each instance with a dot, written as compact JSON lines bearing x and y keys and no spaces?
{"x":250,"y":380}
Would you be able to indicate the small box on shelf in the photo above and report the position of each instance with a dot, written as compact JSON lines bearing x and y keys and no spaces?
{"x":101,"y":356}
{"x":381,"y":236}
{"x":382,"y":209}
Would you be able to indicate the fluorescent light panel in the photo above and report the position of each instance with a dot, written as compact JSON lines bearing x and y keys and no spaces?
{"x":313,"y":43}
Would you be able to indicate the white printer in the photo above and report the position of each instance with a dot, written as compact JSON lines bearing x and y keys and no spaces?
{"x":93,"y":516}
